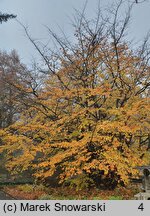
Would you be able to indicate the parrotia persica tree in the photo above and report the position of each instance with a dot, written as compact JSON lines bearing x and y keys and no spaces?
{"x":89,"y":124}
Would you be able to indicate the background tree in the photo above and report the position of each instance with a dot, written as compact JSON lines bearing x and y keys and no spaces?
{"x":4,"y":17}
{"x":18,"y":87}
{"x":11,"y":75}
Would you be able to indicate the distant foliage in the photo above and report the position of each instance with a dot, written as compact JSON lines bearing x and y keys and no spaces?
{"x":5,"y":17}
{"x":11,"y":74}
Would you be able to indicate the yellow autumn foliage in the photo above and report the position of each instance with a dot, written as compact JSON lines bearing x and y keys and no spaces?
{"x":89,"y":122}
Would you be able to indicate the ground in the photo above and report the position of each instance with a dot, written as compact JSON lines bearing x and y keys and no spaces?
{"x":5,"y":196}
{"x":32,"y":192}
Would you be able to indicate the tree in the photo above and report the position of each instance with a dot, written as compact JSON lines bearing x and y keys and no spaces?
{"x":14,"y":78}
{"x":89,"y":124}
{"x":5,"y":17}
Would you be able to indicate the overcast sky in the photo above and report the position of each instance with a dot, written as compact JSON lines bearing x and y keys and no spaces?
{"x":37,"y":13}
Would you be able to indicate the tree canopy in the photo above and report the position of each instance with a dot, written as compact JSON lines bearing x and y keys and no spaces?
{"x":88,"y":124}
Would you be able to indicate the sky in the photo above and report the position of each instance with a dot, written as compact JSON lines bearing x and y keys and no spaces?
{"x":36,"y":14}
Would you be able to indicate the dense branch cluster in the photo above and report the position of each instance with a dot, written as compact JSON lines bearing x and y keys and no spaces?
{"x":5,"y":17}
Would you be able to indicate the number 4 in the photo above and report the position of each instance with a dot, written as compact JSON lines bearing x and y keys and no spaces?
{"x":141,"y":207}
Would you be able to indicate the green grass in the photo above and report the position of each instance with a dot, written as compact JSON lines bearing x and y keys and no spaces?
{"x":115,"y":198}
{"x":51,"y":197}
